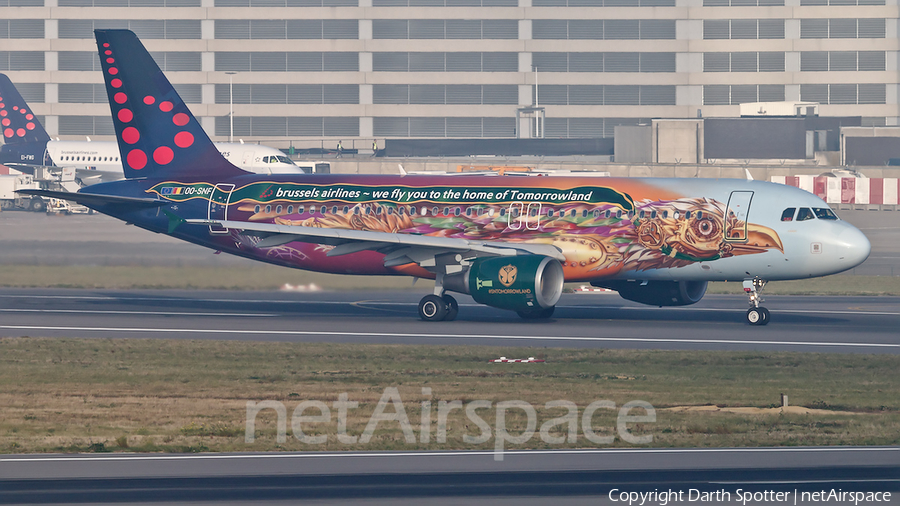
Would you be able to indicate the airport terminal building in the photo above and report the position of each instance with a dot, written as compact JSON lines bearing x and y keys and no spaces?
{"x":311,"y":72}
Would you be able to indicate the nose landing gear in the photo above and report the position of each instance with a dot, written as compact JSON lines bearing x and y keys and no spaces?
{"x":756,"y":315}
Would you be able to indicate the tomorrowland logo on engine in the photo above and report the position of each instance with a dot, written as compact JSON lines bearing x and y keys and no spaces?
{"x":507,"y":275}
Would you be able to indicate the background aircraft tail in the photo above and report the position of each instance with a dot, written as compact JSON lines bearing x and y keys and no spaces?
{"x":157,"y":134}
{"x":17,"y":123}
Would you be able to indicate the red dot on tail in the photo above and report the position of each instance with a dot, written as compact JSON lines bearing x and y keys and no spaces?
{"x":3,"y":106}
{"x":180,"y":119}
{"x":110,"y":60}
{"x":30,"y":126}
{"x":165,"y":106}
{"x":22,"y":111}
{"x":131,"y":135}
{"x":3,"y":113}
{"x":8,"y":132}
{"x":15,"y":108}
{"x":125,"y":115}
{"x":107,"y":52}
{"x":116,"y":83}
{"x":120,"y":98}
{"x":184,"y":139}
{"x":106,"y":44}
{"x":113,"y":71}
{"x":137,"y":159}
{"x":163,"y":155}
{"x":149,"y":100}
{"x":29,"y":117}
{"x":20,"y":132}
{"x":5,"y":122}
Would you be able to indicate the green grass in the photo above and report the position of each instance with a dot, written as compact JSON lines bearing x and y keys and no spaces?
{"x":159,"y":395}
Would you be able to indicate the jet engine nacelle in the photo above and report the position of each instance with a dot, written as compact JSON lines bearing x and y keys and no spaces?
{"x":521,"y":283}
{"x":659,"y":293}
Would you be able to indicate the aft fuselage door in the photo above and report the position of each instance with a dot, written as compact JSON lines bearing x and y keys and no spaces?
{"x":736,"y":215}
{"x":218,"y":206}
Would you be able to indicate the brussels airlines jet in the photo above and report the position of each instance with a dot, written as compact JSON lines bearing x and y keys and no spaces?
{"x":509,"y":242}
{"x":27,"y":143}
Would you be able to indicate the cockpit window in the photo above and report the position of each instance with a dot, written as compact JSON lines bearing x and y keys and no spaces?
{"x":824,"y":213}
{"x":788,"y":214}
{"x":804,"y":214}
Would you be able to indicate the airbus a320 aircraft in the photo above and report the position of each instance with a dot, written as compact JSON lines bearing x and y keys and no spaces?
{"x":510,"y":243}
{"x":25,"y":142}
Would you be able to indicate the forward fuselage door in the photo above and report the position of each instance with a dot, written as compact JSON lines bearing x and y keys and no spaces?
{"x":736,"y":216}
{"x":218,"y":206}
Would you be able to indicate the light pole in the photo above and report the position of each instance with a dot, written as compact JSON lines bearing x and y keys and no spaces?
{"x":231,"y":104}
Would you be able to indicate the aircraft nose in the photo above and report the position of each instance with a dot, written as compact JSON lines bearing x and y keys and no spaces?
{"x":854,"y":247}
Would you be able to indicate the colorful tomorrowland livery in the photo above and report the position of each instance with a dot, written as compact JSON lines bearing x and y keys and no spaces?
{"x":509,"y":241}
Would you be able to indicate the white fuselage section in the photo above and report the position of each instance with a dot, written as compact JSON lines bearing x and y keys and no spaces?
{"x":98,"y":161}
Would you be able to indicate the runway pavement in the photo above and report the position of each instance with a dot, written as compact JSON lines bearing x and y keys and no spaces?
{"x":605,"y":476}
{"x":817,"y":324}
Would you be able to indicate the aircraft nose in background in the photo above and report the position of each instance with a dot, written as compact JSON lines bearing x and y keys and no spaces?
{"x":854,"y":247}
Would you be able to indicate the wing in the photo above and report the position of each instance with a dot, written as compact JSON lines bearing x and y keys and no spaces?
{"x":399,"y":249}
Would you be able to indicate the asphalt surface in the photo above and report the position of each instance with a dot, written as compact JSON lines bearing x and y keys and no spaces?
{"x":747,"y":475}
{"x":815,"y":324}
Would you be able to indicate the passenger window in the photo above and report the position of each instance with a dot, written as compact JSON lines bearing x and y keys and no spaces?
{"x":290,"y":209}
{"x":788,"y":214}
{"x":824,"y":213}
{"x":804,"y":214}
{"x":278,"y":209}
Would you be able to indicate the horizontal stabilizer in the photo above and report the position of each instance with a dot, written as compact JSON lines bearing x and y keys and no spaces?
{"x":96,"y":199}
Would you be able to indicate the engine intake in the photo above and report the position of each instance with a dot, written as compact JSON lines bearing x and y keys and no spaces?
{"x":520,"y":283}
{"x":658,"y":293}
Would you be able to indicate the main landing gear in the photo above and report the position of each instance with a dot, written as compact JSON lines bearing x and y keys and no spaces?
{"x":756,"y":315}
{"x":434,"y":308}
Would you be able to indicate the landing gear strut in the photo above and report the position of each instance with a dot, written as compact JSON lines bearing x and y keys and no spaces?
{"x":756,"y":315}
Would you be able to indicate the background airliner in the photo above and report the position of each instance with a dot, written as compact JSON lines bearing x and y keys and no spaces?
{"x":509,"y":242}
{"x":27,"y":143}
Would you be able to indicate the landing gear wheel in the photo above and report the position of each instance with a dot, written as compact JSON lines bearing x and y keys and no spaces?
{"x":758,"y":316}
{"x":452,"y":308}
{"x":537,"y":314}
{"x":432,"y":308}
